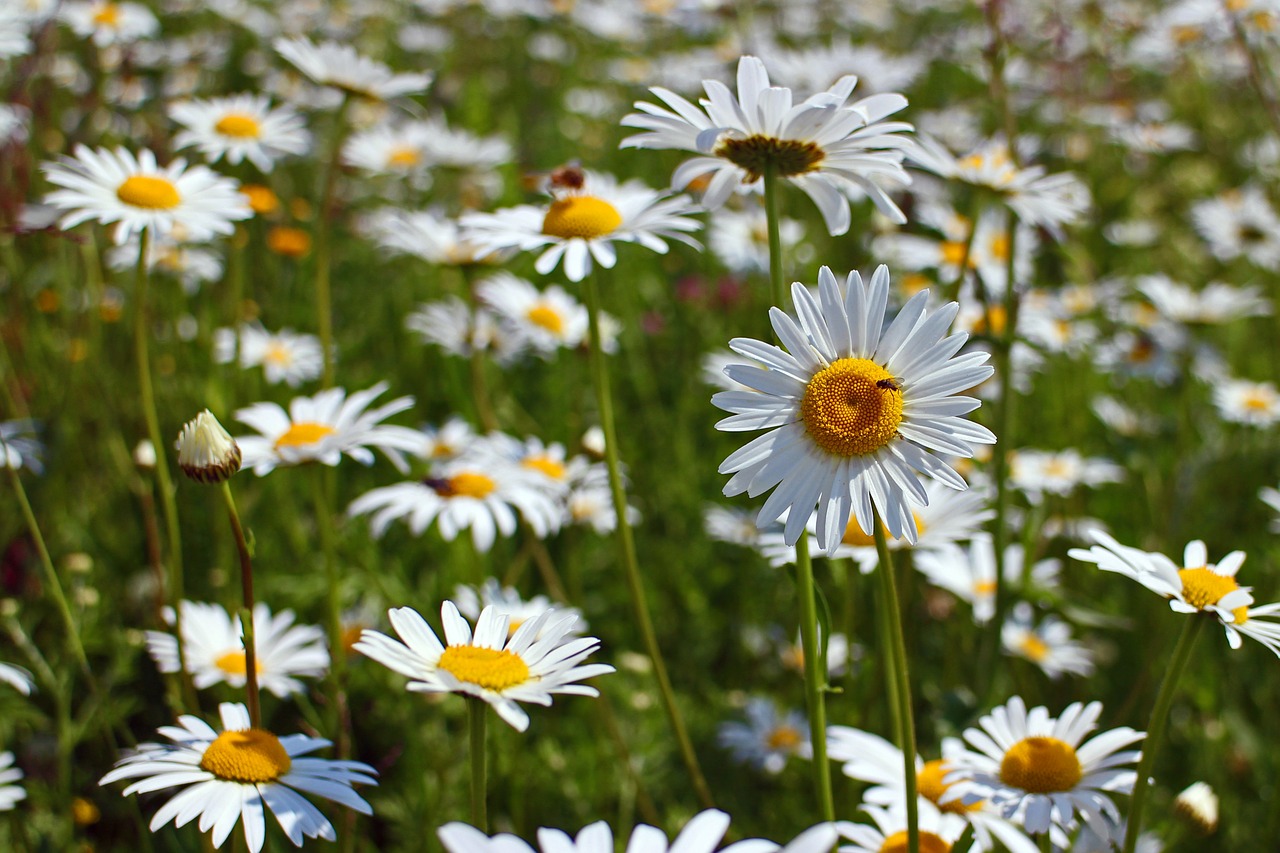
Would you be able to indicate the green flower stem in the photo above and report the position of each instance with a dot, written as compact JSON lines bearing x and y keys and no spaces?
{"x":1046,"y":843}
{"x":246,"y":610}
{"x":627,"y":547}
{"x":477,"y":719}
{"x":777,"y":286}
{"x":333,"y":600}
{"x":815,"y":680}
{"x":479,"y":380}
{"x":324,"y":295}
{"x":1194,"y":624}
{"x":902,"y":694}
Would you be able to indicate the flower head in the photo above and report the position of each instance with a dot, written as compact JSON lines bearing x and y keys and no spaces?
{"x":340,"y":66}
{"x":767,"y":739}
{"x":240,"y":127}
{"x":10,"y":793}
{"x":206,"y":451}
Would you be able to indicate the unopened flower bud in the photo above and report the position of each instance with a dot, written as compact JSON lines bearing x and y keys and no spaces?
{"x":1198,"y":805}
{"x":206,"y":452}
{"x":144,"y":455}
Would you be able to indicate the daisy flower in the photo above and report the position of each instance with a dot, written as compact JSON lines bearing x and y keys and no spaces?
{"x":1243,"y":402}
{"x":589,"y":212}
{"x":284,"y":356}
{"x":17,"y":678}
{"x":1271,"y":497}
{"x":495,"y":665}
{"x":214,"y":648}
{"x":548,"y":319}
{"x":825,"y":145}
{"x":767,"y":739}
{"x":1215,"y":303}
{"x":459,"y":330}
{"x":392,"y":149}
{"x":852,"y":409}
{"x":507,"y":600}
{"x":970,"y":575}
{"x":1198,"y":805}
{"x":591,"y":504}
{"x":19,"y":447}
{"x":740,"y":239}
{"x":1059,"y":472}
{"x":10,"y":793}
{"x":108,"y":22}
{"x":734,"y":525}
{"x":1036,"y":771}
{"x":340,"y":66}
{"x":1240,"y":222}
{"x":170,"y":254}
{"x":240,"y":127}
{"x":461,"y":149}
{"x":1197,"y":586}
{"x":14,"y":37}
{"x":938,"y":831}
{"x":323,"y":428}
{"x":1047,"y":645}
{"x":134,"y":191}
{"x":428,"y":235}
{"x":230,"y":776}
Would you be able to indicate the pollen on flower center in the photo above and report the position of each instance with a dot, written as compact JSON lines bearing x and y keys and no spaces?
{"x":467,"y":484}
{"x":252,"y":756}
{"x":545,"y":465}
{"x":546,"y":317}
{"x":233,"y":663}
{"x":1202,"y":587}
{"x":149,"y":192}
{"x":929,"y":843}
{"x":492,"y":669}
{"x":754,"y":154}
{"x":930,"y":785}
{"x":304,"y":433}
{"x":846,"y":412}
{"x":783,"y":737}
{"x":580,"y":216}
{"x":239,"y":126}
{"x":1041,"y":765}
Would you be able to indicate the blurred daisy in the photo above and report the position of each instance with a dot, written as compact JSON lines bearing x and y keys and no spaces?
{"x":453,"y":438}
{"x":213,"y":645}
{"x":591,"y":505}
{"x":134,"y":191}
{"x":852,"y":409}
{"x":1243,"y":402}
{"x":284,"y":356}
{"x":10,"y":793}
{"x":170,"y":254}
{"x":767,"y":739}
{"x":970,"y":575}
{"x":1197,"y":804}
{"x":938,"y":831}
{"x":548,"y":319}
{"x":824,"y":145}
{"x":1047,"y":645}
{"x":428,"y":235}
{"x":392,"y":149}
{"x":461,"y":149}
{"x":1240,"y":222}
{"x":740,"y":239}
{"x":230,"y":776}
{"x":455,"y":327}
{"x":340,"y":66}
{"x":17,"y":678}
{"x":1271,"y":497}
{"x":734,"y":525}
{"x":550,"y":462}
{"x":240,"y":127}
{"x":323,"y":428}
{"x":1039,"y":472}
{"x":1035,"y":770}
{"x":15,"y":39}
{"x":19,"y":447}
{"x":1215,"y":303}
{"x":108,"y":22}
{"x":589,"y":212}
{"x":508,"y":602}
{"x":495,"y":665}
{"x":476,"y":492}
{"x":1198,"y":586}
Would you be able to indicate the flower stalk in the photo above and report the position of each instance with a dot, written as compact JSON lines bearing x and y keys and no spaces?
{"x":252,"y":699}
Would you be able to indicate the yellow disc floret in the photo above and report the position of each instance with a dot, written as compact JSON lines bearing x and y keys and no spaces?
{"x":108,"y":15}
{"x":580,"y":216}
{"x":233,"y":663}
{"x":1033,"y":648}
{"x":238,"y":126}
{"x":492,"y":669}
{"x":930,"y":785}
{"x":149,"y":192}
{"x":784,"y":738}
{"x":304,"y":433}
{"x":754,"y":154}
{"x":1041,"y":765}
{"x":852,"y":407}
{"x":467,"y":484}
{"x":547,"y":317}
{"x":545,"y":465}
{"x":929,"y":843}
{"x":252,"y":756}
{"x":1202,"y":587}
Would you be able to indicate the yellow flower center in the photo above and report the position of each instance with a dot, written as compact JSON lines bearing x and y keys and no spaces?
{"x":304,"y":433}
{"x":404,"y":157}
{"x":1185,"y":34}
{"x":984,"y":588}
{"x":277,"y":354}
{"x":467,"y":484}
{"x":287,"y":241}
{"x":239,"y":126}
{"x":84,"y":812}
{"x":261,"y":199}
{"x":1202,"y":586}
{"x":783,"y":738}
{"x":545,"y":465}
{"x":856,"y":538}
{"x":850,"y":408}
{"x":1033,"y":648}
{"x":233,"y":663}
{"x":1041,"y":765}
{"x":953,"y":253}
{"x":930,"y":785}
{"x":929,"y":843}
{"x":547,"y":317}
{"x":993,"y":322}
{"x":580,"y":216}
{"x":999,"y":247}
{"x":108,"y":15}
{"x":492,"y":669}
{"x":149,"y":192}
{"x":253,"y":756}
{"x":1258,"y":402}
{"x":790,"y":157}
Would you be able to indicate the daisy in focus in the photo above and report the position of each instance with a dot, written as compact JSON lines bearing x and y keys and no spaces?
{"x":826,"y":146}
{"x":238,"y":128}
{"x":1047,"y":645}
{"x":502,"y":668}
{"x":589,"y":212}
{"x":284,"y":356}
{"x":852,"y":408}
{"x":767,"y":739}
{"x":1037,"y":772}
{"x":1196,"y":586}
{"x":138,"y":194}
{"x":213,"y":645}
{"x":10,"y":794}
{"x":233,"y":776}
{"x":340,"y":66}
{"x":325,"y":427}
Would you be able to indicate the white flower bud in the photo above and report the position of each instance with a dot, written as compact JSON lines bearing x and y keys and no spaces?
{"x":206,"y":452}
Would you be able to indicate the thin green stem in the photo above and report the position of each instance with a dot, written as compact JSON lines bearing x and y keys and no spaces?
{"x":1194,"y":624}
{"x":246,"y":609}
{"x":627,"y":547}
{"x":902,"y":694}
{"x":477,"y":720}
{"x":333,"y":600}
{"x":324,"y":255}
{"x":815,"y":681}
{"x":777,"y":286}
{"x":1046,"y":843}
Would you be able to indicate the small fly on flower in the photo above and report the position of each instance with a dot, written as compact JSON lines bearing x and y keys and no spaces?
{"x":568,"y":176}
{"x":890,"y":384}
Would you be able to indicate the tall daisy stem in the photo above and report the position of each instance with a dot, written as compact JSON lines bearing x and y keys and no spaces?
{"x":814,"y":678}
{"x":246,"y":609}
{"x":627,"y":548}
{"x":324,"y":295}
{"x":777,"y":287}
{"x":1194,"y":624}
{"x":477,"y":720}
{"x":333,"y":600}
{"x":902,"y":692}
